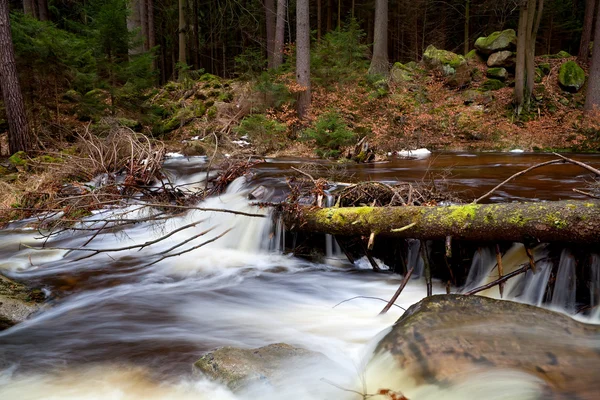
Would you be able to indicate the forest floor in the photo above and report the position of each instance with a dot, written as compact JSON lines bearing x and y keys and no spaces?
{"x":80,"y":136}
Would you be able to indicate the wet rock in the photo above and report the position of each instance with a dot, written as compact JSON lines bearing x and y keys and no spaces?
{"x":497,"y":41}
{"x":497,"y":73}
{"x":502,"y":59}
{"x":442,"y":337}
{"x":17,"y":302}
{"x":571,"y":77}
{"x":238,"y":368}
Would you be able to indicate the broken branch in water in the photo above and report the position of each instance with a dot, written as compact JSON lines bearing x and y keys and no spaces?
{"x":400,"y":289}
{"x":498,"y":281}
{"x":367,"y":297}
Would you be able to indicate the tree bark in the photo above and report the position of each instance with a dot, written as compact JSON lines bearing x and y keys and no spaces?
{"x":134,"y":25}
{"x":533,"y":24}
{"x":270,"y":21}
{"x":182,"y":32}
{"x":319,"y":21}
{"x":144,"y":23}
{"x":19,"y":137}
{"x":279,"y":34}
{"x":592,"y":97}
{"x":303,"y":56}
{"x":29,"y":8}
{"x":151,"y":28}
{"x":379,"y":62}
{"x":520,"y":68}
{"x":43,"y":10}
{"x":560,"y":221}
{"x":586,"y":33}
{"x":467,"y":26}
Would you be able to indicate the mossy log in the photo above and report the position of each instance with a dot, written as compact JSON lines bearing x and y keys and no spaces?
{"x":561,"y":221}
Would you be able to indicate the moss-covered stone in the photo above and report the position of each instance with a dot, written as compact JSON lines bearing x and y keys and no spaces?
{"x":571,"y":77}
{"x":545,"y":68}
{"x":434,"y":57}
{"x":505,"y":58}
{"x":498,"y":73}
{"x":492,"y":84}
{"x":497,"y":41}
{"x":400,"y":73}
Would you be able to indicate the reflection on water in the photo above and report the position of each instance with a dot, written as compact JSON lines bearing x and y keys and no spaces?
{"x":119,"y":330}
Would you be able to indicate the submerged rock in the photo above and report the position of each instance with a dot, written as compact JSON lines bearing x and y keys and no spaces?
{"x":446,"y":336}
{"x":17,"y":302}
{"x":238,"y":368}
{"x":571,"y":76}
{"x":497,"y":41}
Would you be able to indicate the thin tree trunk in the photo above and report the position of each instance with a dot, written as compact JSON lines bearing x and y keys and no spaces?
{"x":586,"y":33}
{"x":329,"y":15}
{"x":319,"y":21}
{"x":144,"y":23}
{"x":520,"y":68}
{"x":28,"y":7}
{"x":43,"y":10}
{"x":592,"y":97}
{"x":467,"y":26}
{"x":303,"y":56}
{"x":19,"y":137}
{"x":533,"y":23}
{"x":151,"y":29}
{"x":279,"y":34}
{"x":379,"y":62}
{"x":195,"y":47}
{"x":270,"y":21}
{"x":559,"y":221}
{"x":339,"y":15}
{"x":134,"y":25}
{"x":182,"y":32}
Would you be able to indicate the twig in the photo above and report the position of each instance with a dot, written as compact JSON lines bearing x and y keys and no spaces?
{"x":400,"y":289}
{"x":503,"y":279}
{"x":581,"y":164}
{"x":586,"y":194}
{"x":305,"y":174}
{"x":515,"y":176}
{"x":204,"y":209}
{"x":366,"y":297}
{"x":404,"y":227}
{"x":500,"y":270}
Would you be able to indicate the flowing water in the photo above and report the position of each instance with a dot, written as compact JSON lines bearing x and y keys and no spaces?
{"x":122,"y":327}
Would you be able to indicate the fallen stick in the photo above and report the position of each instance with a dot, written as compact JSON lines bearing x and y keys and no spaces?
{"x":400,"y":289}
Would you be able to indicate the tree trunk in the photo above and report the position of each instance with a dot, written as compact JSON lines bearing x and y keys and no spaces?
{"x":379,"y":62}
{"x":586,"y":33}
{"x":279,"y":34}
{"x":329,"y":15}
{"x":592,"y":97}
{"x":151,"y":28}
{"x":303,"y":56}
{"x":29,"y":8}
{"x":43,"y":10}
{"x":195,"y":28}
{"x":144,"y":23}
{"x":559,"y":221}
{"x":319,"y":21}
{"x":520,"y":68}
{"x":467,"y":26}
{"x":134,"y":25}
{"x":533,"y":23}
{"x":19,"y":137}
{"x":270,"y":21}
{"x":182,"y":31}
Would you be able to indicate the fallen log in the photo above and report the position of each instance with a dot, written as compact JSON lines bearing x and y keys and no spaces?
{"x":572,"y":221}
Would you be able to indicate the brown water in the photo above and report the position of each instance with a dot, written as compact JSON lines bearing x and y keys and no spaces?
{"x":119,"y":330}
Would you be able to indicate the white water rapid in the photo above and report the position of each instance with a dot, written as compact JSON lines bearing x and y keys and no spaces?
{"x":119,"y":328}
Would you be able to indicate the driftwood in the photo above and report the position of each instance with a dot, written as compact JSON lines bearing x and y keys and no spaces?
{"x":560,"y":221}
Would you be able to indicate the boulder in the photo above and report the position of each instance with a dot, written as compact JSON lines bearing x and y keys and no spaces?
{"x":239,"y":368}
{"x":504,"y":59}
{"x":571,"y":76}
{"x":451,"y":65}
{"x":444,"y":338}
{"x":497,"y":73}
{"x":401,"y":73}
{"x":476,"y":97}
{"x":17,"y":302}
{"x":497,"y":41}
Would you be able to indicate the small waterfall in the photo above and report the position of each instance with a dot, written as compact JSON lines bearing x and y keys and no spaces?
{"x":484,"y":260}
{"x":333,"y":253}
{"x":532,"y":286}
{"x":565,"y":284}
{"x":413,"y":257}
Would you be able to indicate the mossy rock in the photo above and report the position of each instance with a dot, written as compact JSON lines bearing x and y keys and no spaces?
{"x":400,"y":73}
{"x":545,"y":68}
{"x":434,"y":57}
{"x":497,"y":73}
{"x":497,"y":41}
{"x":505,"y":58}
{"x":492,"y":84}
{"x":571,"y":77}
{"x":71,"y":96}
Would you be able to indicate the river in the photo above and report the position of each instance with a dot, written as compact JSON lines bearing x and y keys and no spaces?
{"x":119,"y":328}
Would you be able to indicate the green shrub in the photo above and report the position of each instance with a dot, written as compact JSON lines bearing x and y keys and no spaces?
{"x":340,"y":56}
{"x":265,"y":134}
{"x":330,"y":133}
{"x":276,"y":93}
{"x":250,"y":63}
